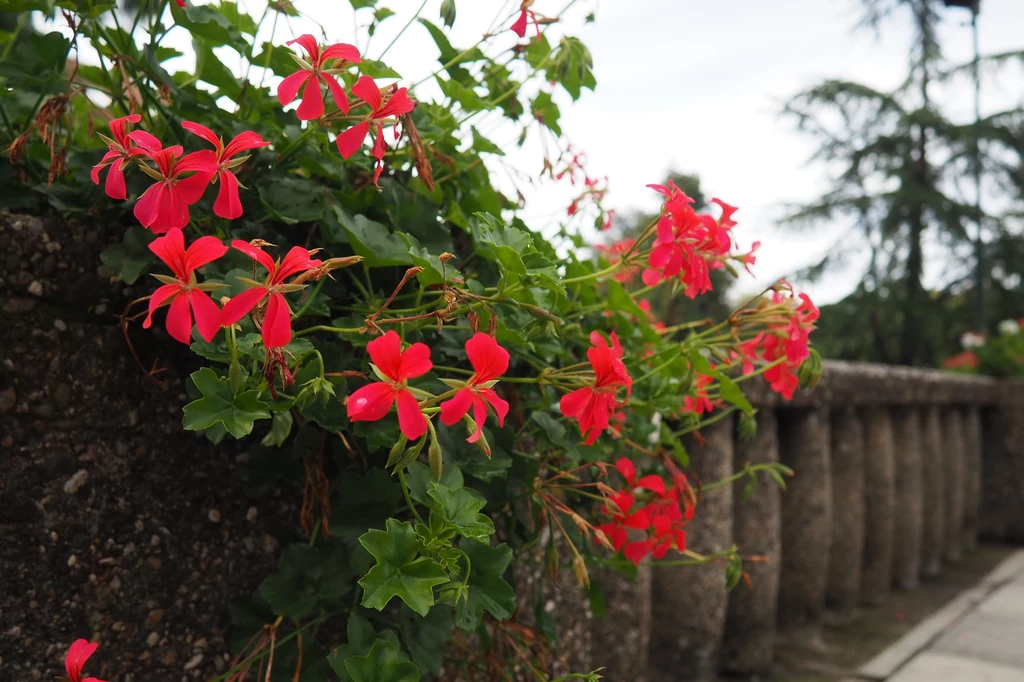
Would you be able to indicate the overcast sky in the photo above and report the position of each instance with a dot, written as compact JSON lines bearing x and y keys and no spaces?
{"x":694,"y":86}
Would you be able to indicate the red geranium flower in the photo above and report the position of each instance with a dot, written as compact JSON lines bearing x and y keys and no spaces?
{"x":277,"y":318}
{"x":394,"y":367}
{"x":519,"y":26}
{"x":593,"y":406}
{"x":78,"y":654}
{"x":121,"y":150}
{"x":164,"y":206}
{"x":489,"y":361}
{"x":228,"y":205}
{"x":351,"y":140}
{"x":312,"y":73}
{"x":184,"y":294}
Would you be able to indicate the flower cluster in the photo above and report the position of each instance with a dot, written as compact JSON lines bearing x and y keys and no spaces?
{"x":661,"y":519}
{"x":593,"y":406}
{"x":689,"y":244}
{"x":394,"y":367}
{"x":180,"y":179}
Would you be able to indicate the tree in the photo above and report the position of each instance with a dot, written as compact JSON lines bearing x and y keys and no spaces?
{"x":898,"y":165}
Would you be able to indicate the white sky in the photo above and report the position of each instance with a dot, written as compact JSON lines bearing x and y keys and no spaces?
{"x":694,"y":86}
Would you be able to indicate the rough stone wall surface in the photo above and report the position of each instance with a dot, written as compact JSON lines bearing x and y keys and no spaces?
{"x":880,"y":504}
{"x":691,"y":600}
{"x":748,"y":646}
{"x":806,"y":521}
{"x":847,"y":550}
{"x":972,"y":476}
{"x":933,"y":531}
{"x":620,"y":640}
{"x":1002,"y":510}
{"x":116,"y":525}
{"x":954,"y":456}
{"x":909,"y":517}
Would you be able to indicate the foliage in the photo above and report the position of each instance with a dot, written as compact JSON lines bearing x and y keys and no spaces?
{"x":450,"y":384}
{"x":899,"y":170}
{"x":1001,"y":355}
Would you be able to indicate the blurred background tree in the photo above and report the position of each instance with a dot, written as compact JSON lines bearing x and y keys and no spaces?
{"x":903,"y":192}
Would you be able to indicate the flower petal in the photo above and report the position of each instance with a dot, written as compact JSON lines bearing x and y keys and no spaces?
{"x":277,"y":322}
{"x":147,"y":208}
{"x":158,"y":298}
{"x":289,"y":87}
{"x":228,"y":204}
{"x":627,"y":469}
{"x":207,"y":314}
{"x":489,"y":360}
{"x":310,"y":45}
{"x":241,"y":305}
{"x":244,"y":141}
{"x":190,"y":190}
{"x":350,"y":53}
{"x":147,"y":141}
{"x":370,"y":403}
{"x":366,"y":89}
{"x":179,"y":320}
{"x":575,"y":403}
{"x":456,"y":408}
{"x":519,"y":27}
{"x":415,"y":362}
{"x":399,"y":103}
{"x":258,"y":255}
{"x":202,"y":251}
{"x":656,"y":484}
{"x":351,"y":140}
{"x":636,"y":551}
{"x":170,"y":248}
{"x":312,"y":105}
{"x":115,"y":187}
{"x":386,"y":354}
{"x":499,"y":405}
{"x":296,"y":260}
{"x":337,"y":92}
{"x":203,"y":132}
{"x":78,"y":654}
{"x":410,"y":420}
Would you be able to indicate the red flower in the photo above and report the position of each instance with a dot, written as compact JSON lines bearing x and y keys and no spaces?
{"x":964,"y":360}
{"x":312,"y":73}
{"x":181,"y":3}
{"x":185,"y":296}
{"x":164,"y":206}
{"x":519,"y":27}
{"x":351,"y":140}
{"x":121,"y":150}
{"x":78,"y":654}
{"x":593,"y":406}
{"x":489,"y":361}
{"x":394,"y":367}
{"x":699,"y":403}
{"x":228,"y":205}
{"x":277,"y":318}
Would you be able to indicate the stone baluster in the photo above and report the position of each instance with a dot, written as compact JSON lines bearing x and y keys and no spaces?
{"x":845,"y":560}
{"x":688,"y":603}
{"x":806,"y":523}
{"x":953,"y":458}
{"x":1002,"y":508}
{"x":880,"y":502}
{"x":909,"y":510}
{"x":972,"y":476}
{"x":748,"y":646}
{"x":933,"y":478}
{"x":619,"y":637}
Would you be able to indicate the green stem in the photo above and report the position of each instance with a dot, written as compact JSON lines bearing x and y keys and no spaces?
{"x":413,"y":18}
{"x":328,"y":328}
{"x":310,"y":299}
{"x":408,"y":497}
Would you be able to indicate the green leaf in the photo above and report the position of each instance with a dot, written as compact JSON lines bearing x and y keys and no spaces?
{"x":487,"y":590}
{"x":426,"y":638}
{"x":484,"y":146}
{"x":244,"y":22}
{"x":280,"y":429}
{"x":305,"y":576}
{"x":129,"y":259}
{"x":398,"y":573}
{"x":465,"y":96}
{"x":383,"y":663}
{"x":213,"y":27}
{"x":546,"y":111}
{"x":732,"y":393}
{"x":552,"y":428}
{"x":375,"y":69}
{"x":502,"y":243}
{"x":460,"y":508}
{"x":372,"y":241}
{"x":294,"y":200}
{"x":210,"y":69}
{"x":218,"y":405}
{"x":449,"y":53}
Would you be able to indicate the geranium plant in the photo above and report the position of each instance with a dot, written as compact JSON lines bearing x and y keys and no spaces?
{"x":452,"y":385}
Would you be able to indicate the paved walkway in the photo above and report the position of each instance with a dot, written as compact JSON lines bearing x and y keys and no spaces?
{"x":978,"y":637}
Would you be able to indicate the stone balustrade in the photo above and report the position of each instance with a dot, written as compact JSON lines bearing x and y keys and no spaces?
{"x":898,"y":472}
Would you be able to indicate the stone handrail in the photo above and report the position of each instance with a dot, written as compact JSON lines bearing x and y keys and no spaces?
{"x":898,"y":472}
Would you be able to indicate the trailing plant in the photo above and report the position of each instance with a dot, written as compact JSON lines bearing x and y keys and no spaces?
{"x":450,"y":388}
